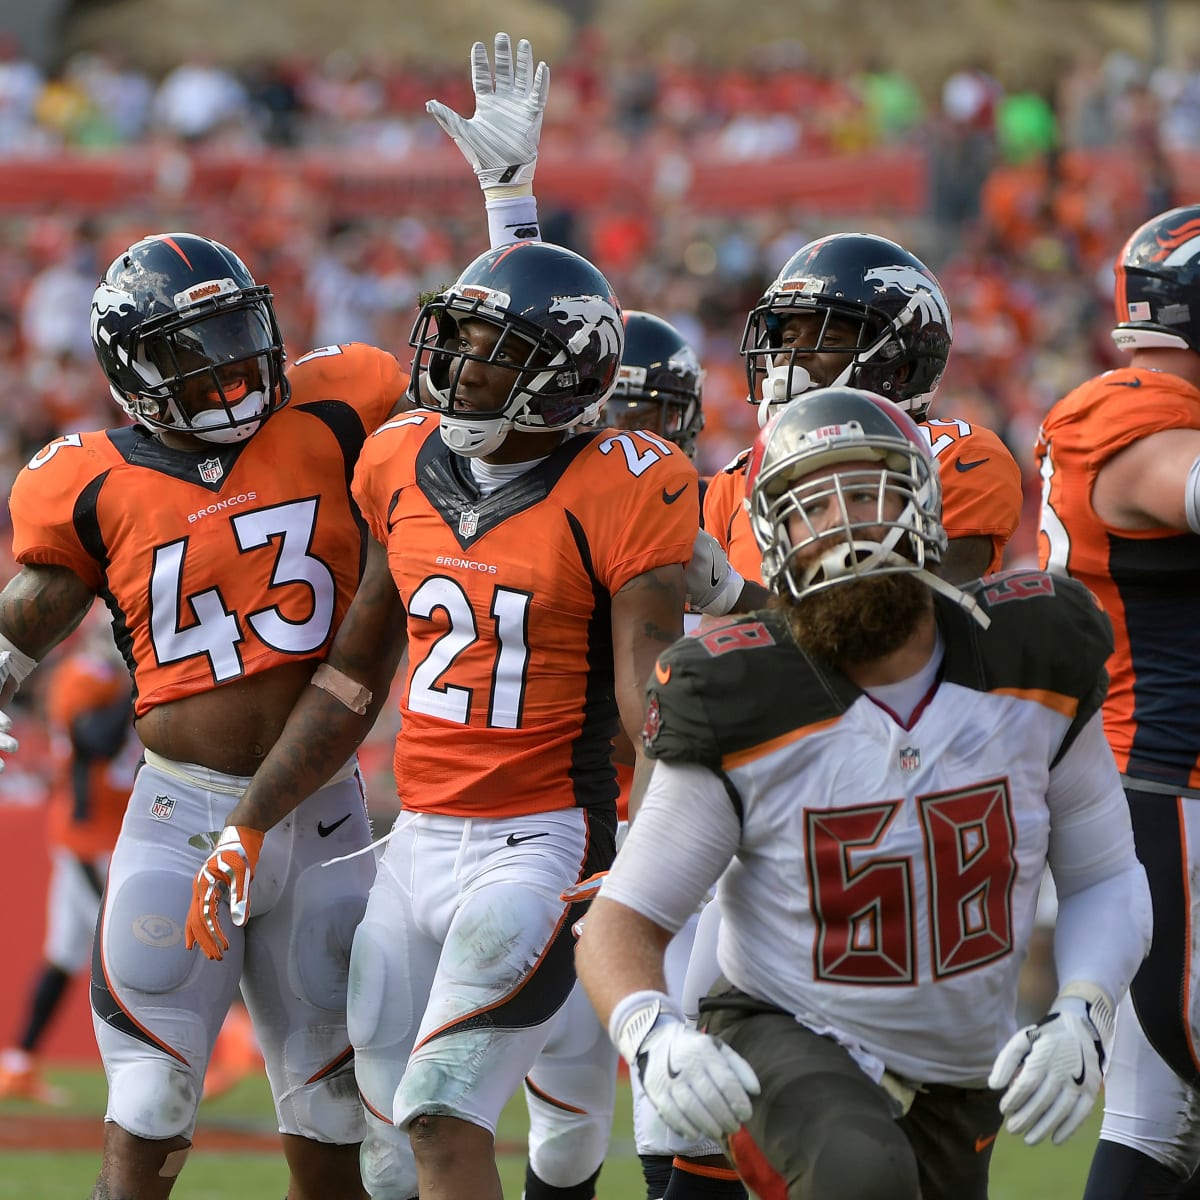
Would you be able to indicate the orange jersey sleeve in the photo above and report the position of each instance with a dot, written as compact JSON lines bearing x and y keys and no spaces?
{"x":224,"y":564}
{"x":78,"y":685}
{"x":981,"y":483}
{"x":508,"y":704}
{"x":364,"y":376}
{"x":1145,"y":578}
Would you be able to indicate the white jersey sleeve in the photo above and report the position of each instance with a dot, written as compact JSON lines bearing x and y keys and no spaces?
{"x":688,"y":815}
{"x":1104,"y":922}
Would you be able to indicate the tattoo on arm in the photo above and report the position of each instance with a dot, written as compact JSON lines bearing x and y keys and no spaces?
{"x":40,"y":606}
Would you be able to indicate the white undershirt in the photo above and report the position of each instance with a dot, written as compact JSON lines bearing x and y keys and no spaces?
{"x":489,"y":476}
{"x":903,"y":697}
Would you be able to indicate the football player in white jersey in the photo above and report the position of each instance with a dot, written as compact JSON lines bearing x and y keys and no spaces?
{"x":885,"y":763}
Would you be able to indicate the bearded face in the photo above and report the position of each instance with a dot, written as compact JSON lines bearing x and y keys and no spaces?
{"x":860,"y":620}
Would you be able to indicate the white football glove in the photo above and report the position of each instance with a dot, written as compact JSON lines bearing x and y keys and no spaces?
{"x":1052,"y":1070}
{"x":8,"y":743}
{"x":699,"y":1086}
{"x":501,"y":140}
{"x":713,"y":586}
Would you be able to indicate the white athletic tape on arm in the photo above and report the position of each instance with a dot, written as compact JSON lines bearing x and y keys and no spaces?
{"x":512,"y":218}
{"x":17,"y":665}
{"x":342,"y":688}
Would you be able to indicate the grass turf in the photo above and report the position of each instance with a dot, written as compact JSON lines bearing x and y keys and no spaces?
{"x":56,"y":1170}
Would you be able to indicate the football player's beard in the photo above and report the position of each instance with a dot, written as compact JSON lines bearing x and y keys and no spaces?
{"x":859,"y":621}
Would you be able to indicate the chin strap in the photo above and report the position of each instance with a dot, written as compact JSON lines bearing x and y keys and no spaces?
{"x":967,"y":603}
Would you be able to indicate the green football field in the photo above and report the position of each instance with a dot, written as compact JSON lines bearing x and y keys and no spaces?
{"x":50,"y":1166}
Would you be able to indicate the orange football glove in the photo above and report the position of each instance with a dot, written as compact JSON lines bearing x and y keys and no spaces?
{"x":227,"y":871}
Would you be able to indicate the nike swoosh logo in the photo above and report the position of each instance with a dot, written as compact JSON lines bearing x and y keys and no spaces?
{"x":970,"y":466}
{"x":1078,"y":1079}
{"x":326,"y":830}
{"x":982,"y":1143}
{"x":513,"y":840}
{"x":1124,"y":383}
{"x":671,"y":497}
{"x":671,"y":1072}
{"x":662,"y":674}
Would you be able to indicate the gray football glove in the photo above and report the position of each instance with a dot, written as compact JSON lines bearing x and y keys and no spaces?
{"x":501,"y":140}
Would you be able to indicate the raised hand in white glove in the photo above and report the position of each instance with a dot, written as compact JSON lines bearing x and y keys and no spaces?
{"x":698,"y":1085}
{"x":713,"y":586}
{"x":501,"y":140}
{"x":1052,"y":1070}
{"x":8,"y":743}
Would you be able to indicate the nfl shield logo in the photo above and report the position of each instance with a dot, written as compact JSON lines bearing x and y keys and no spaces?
{"x":468,"y":522}
{"x":211,"y":470}
{"x":162,"y":808}
{"x":910,"y":758}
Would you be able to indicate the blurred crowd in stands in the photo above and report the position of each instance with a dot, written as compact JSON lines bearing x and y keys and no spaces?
{"x":1021,"y":236}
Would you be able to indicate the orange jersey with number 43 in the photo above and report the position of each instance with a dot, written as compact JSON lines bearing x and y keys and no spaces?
{"x":981,"y":494}
{"x":509,"y":706}
{"x":216,"y":566}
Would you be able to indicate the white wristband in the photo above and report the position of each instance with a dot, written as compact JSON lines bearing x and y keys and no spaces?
{"x":14,"y":663}
{"x":511,"y":218}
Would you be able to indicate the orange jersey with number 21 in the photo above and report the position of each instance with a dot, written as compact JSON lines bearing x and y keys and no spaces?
{"x":508,"y":706}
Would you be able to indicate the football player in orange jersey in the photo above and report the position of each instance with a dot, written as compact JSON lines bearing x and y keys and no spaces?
{"x":89,"y":714}
{"x":534,"y":574}
{"x":858,"y":309}
{"x":900,"y":760}
{"x":220,"y":531}
{"x":1120,"y":466}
